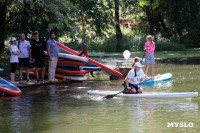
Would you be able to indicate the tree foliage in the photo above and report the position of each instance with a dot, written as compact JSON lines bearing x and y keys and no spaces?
{"x":174,"y":20}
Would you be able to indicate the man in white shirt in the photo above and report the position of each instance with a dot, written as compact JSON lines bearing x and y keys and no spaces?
{"x":24,"y":57}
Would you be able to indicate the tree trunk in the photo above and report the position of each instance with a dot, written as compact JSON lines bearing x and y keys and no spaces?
{"x":162,"y":22}
{"x":150,"y":20}
{"x":167,"y":32}
{"x":2,"y":25}
{"x":117,"y":26}
{"x":180,"y":36}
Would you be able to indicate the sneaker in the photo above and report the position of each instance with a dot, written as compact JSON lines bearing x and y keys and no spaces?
{"x":55,"y":79}
{"x":38,"y":80}
{"x":28,"y":80}
{"x":20,"y":81}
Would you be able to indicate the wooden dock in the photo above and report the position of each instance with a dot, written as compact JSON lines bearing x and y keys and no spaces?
{"x":34,"y":83}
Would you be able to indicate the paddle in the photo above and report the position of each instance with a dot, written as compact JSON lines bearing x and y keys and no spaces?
{"x":145,"y":80}
{"x":111,"y":96}
{"x":141,"y":62}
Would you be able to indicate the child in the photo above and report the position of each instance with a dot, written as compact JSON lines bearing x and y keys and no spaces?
{"x":132,"y":80}
{"x":149,"y":55}
{"x":14,"y":51}
{"x":137,"y":59}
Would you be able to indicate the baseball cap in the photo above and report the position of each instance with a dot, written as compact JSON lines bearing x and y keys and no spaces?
{"x":137,"y":64}
{"x":13,"y":39}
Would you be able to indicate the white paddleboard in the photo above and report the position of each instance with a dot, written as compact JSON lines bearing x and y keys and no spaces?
{"x":71,"y":57}
{"x":76,"y":78}
{"x":173,"y":95}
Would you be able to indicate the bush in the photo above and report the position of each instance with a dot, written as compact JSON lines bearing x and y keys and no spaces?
{"x":169,"y":46}
{"x":132,"y":40}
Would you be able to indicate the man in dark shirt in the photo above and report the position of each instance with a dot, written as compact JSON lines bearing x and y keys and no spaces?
{"x":38,"y":46}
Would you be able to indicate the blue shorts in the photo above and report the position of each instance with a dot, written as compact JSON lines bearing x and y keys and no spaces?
{"x":149,"y":58}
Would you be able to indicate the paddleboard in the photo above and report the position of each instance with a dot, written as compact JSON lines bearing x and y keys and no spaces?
{"x":71,"y":57}
{"x":70,"y":72}
{"x":88,"y":68}
{"x":9,"y":88}
{"x":66,"y":63}
{"x":64,"y":49}
{"x":163,"y":77}
{"x":76,"y":78}
{"x":72,"y":78}
{"x":174,"y":95}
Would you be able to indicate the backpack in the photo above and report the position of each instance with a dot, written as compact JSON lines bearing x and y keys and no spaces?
{"x":18,"y":44}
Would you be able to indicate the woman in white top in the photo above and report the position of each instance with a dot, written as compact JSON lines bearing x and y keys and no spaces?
{"x":14,"y":51}
{"x":133,"y":78}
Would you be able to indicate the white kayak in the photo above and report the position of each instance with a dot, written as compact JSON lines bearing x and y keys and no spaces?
{"x":146,"y":94}
{"x":163,"y":77}
{"x":71,"y":57}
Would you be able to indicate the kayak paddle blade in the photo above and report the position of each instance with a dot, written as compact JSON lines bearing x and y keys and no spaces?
{"x":111,"y":96}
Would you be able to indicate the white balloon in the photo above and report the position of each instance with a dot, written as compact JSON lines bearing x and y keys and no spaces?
{"x":126,"y":54}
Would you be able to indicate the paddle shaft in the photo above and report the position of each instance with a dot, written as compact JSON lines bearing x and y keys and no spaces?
{"x":118,"y":93}
{"x":142,"y":59}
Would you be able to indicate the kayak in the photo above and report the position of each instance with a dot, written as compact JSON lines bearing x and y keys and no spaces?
{"x":71,"y":57}
{"x":9,"y":88}
{"x":174,"y":95}
{"x":163,"y":77}
{"x":64,"y":49}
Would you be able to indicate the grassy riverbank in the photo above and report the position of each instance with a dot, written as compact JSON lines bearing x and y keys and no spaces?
{"x":158,"y":54}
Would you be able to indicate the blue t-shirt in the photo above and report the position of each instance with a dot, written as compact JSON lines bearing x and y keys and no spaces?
{"x":51,"y":44}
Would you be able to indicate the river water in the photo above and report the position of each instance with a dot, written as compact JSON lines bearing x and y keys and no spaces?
{"x":66,"y":108}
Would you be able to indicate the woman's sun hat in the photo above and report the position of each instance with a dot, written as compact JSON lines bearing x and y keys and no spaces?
{"x":149,"y":36}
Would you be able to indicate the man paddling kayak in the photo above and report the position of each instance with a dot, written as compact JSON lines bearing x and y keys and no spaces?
{"x":132,"y":80}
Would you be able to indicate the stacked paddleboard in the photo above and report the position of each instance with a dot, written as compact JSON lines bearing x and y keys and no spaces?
{"x":71,"y":66}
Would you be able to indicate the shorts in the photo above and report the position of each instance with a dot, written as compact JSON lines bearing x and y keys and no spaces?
{"x":132,"y":86}
{"x":39,"y":63}
{"x":149,"y":58}
{"x":23,"y":62}
{"x":13,"y":67}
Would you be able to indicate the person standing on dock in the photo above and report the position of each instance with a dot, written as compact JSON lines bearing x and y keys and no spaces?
{"x":25,"y":55}
{"x":38,"y":46}
{"x":52,"y":51}
{"x":14,"y":51}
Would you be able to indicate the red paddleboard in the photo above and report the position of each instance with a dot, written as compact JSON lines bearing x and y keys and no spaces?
{"x":108,"y":70}
{"x":68,"y":72}
{"x":68,"y":63}
{"x":72,"y":78}
{"x":9,"y":88}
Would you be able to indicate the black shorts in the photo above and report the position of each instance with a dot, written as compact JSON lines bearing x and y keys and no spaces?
{"x":23,"y":62}
{"x":39,"y":63}
{"x":136,"y":87}
{"x":13,"y":67}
